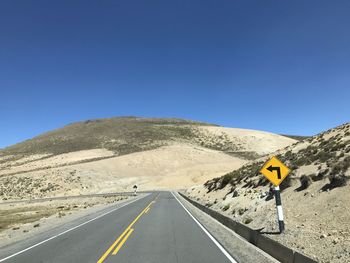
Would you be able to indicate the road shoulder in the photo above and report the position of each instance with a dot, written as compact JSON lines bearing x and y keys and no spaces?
{"x":239,"y":248}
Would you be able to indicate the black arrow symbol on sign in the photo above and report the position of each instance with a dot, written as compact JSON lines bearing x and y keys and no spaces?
{"x":274,"y":168}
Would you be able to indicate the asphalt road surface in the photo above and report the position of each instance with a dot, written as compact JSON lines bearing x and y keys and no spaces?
{"x":152,"y":229}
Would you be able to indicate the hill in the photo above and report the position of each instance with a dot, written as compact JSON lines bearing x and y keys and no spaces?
{"x":122,"y":135}
{"x":113,"y":154}
{"x":315,"y":195}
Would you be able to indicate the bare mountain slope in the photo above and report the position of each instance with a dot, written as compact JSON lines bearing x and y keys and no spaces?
{"x":112,"y":154}
{"x":121,"y":135}
{"x":173,"y":166}
{"x":124,"y":135}
{"x":315,"y":196}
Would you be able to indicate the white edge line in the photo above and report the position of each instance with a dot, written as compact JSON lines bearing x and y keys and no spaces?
{"x":223,"y":250}
{"x":68,"y":230}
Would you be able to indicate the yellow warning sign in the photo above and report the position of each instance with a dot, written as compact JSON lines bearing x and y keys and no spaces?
{"x":275,"y":171}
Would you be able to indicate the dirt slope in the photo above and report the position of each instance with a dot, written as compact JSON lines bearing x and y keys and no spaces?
{"x":315,"y":196}
{"x":113,"y":154}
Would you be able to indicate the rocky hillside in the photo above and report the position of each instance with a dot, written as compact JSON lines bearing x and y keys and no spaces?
{"x":112,"y":154}
{"x":326,"y":155}
{"x":315,"y":195}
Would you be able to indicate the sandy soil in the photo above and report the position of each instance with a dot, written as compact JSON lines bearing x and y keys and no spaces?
{"x":47,"y":161}
{"x":251,"y":140}
{"x":174,"y":166}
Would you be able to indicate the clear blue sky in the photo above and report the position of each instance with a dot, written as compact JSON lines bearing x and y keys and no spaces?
{"x":280,"y":66}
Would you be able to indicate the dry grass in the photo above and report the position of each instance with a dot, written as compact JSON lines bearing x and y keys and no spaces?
{"x":24,"y":215}
{"x":122,"y":135}
{"x":125,"y":135}
{"x":15,"y":215}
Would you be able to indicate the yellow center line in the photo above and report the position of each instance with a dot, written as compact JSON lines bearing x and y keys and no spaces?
{"x":123,"y":241}
{"x":108,"y":251}
{"x":147,"y":210}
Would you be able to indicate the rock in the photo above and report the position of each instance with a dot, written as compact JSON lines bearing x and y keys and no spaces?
{"x":263,"y":195}
{"x":323,"y":236}
{"x":36,"y":225}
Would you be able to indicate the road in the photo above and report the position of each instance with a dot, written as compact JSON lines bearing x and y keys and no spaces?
{"x":152,"y":229}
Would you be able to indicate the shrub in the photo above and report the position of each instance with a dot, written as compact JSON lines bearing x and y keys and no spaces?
{"x":337,"y":180}
{"x":288,"y":154}
{"x":226,"y":207}
{"x":225,"y":180}
{"x":317,"y":177}
{"x":211,"y":184}
{"x":247,"y":220}
{"x":347,"y":161}
{"x":262,"y":182}
{"x":323,"y":156}
{"x":305,"y":181}
{"x":293,"y":166}
{"x":301,"y":161}
{"x":235,"y":193}
{"x":241,"y":211}
{"x":341,"y":167}
{"x":338,"y":147}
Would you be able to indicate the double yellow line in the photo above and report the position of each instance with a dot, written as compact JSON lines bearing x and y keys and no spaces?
{"x":124,"y":236}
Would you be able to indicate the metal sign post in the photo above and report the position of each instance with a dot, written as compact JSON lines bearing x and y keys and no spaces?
{"x":279,"y":209}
